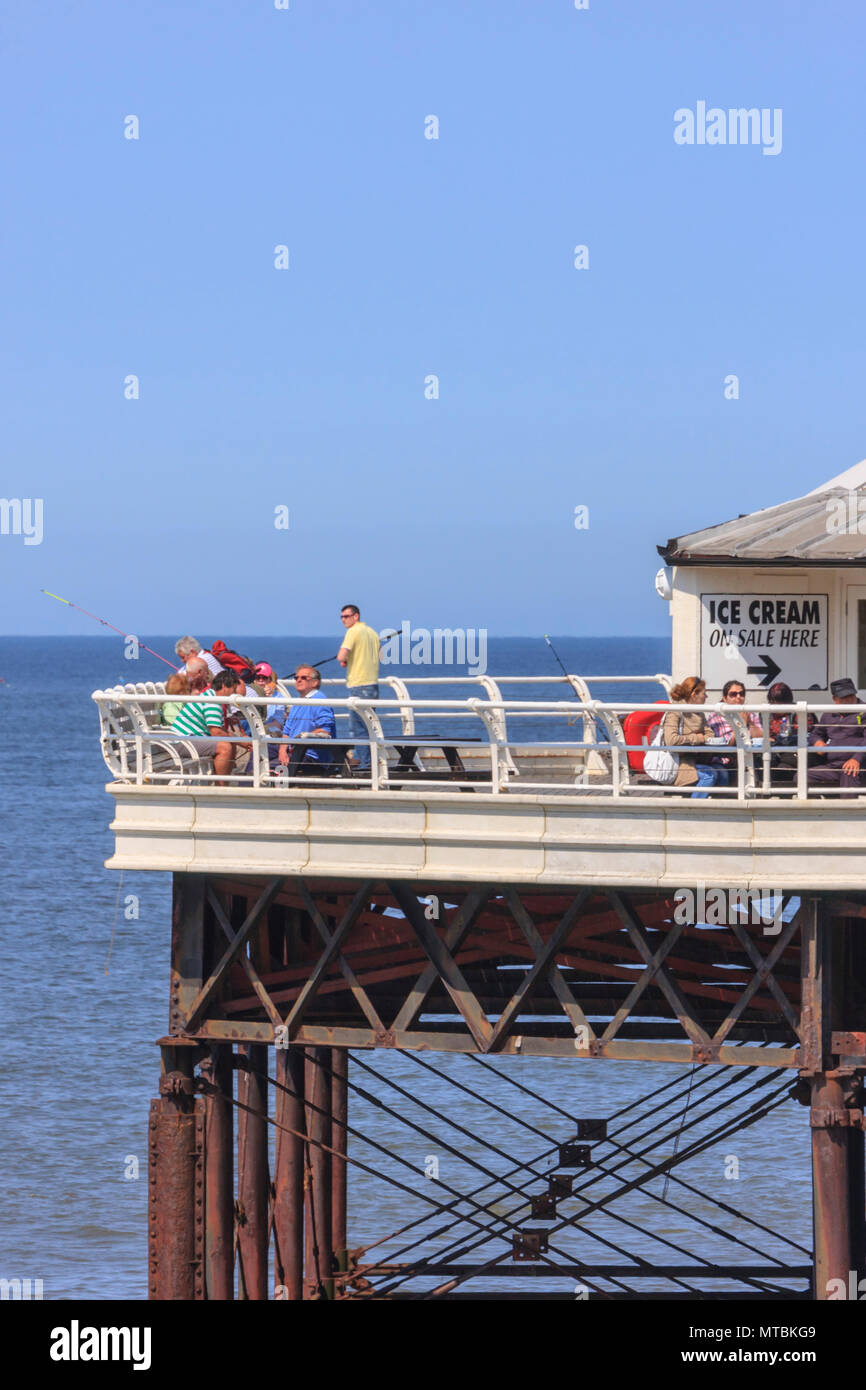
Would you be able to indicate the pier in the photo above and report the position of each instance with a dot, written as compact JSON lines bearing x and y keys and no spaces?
{"x":506,"y":884}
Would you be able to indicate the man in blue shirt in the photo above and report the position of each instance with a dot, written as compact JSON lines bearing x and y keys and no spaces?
{"x":309,"y":721}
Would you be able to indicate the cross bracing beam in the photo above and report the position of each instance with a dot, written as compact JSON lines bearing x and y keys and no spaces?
{"x":583,"y":973}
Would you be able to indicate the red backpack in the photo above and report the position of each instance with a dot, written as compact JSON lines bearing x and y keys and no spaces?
{"x":233,"y":661}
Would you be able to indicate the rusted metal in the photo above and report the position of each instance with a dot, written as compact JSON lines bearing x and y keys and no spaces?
{"x":576,"y":944}
{"x":849,"y":1047}
{"x":217,"y":1070}
{"x":542,"y":1204}
{"x":528,"y":1245}
{"x":194,"y":1012}
{"x":332,"y":960}
{"x":199,"y":1202}
{"x":318,"y":1260}
{"x":560,"y":1184}
{"x":574,"y":1156}
{"x":830,"y":1188}
{"x":445,"y":965}
{"x":844,"y":1118}
{"x":524,"y":1044}
{"x":175,"y":1194}
{"x":857,"y":1185}
{"x":187,"y":945}
{"x":339,"y":1061}
{"x":331,"y":951}
{"x":252,"y":1198}
{"x":829,"y":1117}
{"x":289,"y":1175}
{"x":814,"y":1030}
{"x":592,"y":1129}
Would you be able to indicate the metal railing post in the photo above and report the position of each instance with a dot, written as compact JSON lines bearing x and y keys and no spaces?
{"x":616,"y":740}
{"x":802,"y":750}
{"x":496,"y":741}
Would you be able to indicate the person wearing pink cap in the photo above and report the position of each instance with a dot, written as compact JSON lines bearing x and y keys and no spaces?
{"x":265,"y":684}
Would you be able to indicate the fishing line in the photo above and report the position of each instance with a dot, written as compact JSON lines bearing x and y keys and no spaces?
{"x":114,"y":925}
{"x":680,"y":1130}
{"x":106,"y":623}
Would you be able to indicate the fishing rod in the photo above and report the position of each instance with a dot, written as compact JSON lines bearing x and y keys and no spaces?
{"x":602,"y":731}
{"x":105,"y":623}
{"x":314,"y":665}
{"x":561,"y":667}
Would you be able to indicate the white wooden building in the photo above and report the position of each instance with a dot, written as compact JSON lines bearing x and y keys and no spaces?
{"x":775,"y":595}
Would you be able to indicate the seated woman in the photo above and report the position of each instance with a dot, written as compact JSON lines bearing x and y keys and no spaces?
{"x":681,"y":730}
{"x":177,"y":684}
{"x":266,"y":685}
{"x":733,"y":694}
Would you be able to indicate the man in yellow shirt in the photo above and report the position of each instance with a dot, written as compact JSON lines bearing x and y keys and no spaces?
{"x":360,"y":656}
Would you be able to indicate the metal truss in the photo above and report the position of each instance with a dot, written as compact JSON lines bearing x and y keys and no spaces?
{"x":303,"y":1016}
{"x":482,"y":969}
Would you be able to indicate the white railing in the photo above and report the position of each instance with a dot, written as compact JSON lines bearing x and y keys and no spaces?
{"x":469,"y":743}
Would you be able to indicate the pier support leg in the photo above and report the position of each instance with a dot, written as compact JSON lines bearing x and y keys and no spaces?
{"x":857,"y":1187}
{"x":253,"y":1171}
{"x":830,"y":1187}
{"x":836,"y":1177}
{"x":339,"y":1120}
{"x":289,"y":1175}
{"x":318,"y":1281}
{"x":219,"y":1174}
{"x":176,"y":1183}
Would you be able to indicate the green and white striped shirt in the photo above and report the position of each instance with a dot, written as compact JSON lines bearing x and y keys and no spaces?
{"x":196,"y":719}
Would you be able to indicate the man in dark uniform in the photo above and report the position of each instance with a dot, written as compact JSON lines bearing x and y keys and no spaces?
{"x":836,"y":732}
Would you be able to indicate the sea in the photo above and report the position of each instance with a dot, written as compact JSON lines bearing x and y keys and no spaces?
{"x":86,"y":953}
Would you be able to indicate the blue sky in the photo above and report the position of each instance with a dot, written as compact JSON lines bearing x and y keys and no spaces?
{"x":410,"y":257}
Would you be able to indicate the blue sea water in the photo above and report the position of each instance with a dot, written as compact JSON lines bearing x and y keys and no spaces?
{"x":86,"y":996}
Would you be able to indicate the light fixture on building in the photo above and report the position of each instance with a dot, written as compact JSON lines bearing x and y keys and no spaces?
{"x":664,"y":587}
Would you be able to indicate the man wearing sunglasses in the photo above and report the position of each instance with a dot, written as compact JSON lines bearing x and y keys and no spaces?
{"x":360,"y":656}
{"x":310,"y":721}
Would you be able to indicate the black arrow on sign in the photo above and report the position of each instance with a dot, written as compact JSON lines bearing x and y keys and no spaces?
{"x":768,"y":670}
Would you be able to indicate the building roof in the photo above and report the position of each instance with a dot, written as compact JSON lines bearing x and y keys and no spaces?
{"x":822,"y":528}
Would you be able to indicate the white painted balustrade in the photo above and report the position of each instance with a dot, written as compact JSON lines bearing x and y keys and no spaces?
{"x":484,"y":742}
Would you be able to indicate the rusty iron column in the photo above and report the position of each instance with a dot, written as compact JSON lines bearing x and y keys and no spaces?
{"x":318,"y":1280}
{"x":339,"y":1121}
{"x":253,"y":1186}
{"x":217,"y":1070}
{"x":289,"y":1175}
{"x":828,"y":1115}
{"x":176,"y":1183}
{"x":830,"y":1185}
{"x":857,"y":1182}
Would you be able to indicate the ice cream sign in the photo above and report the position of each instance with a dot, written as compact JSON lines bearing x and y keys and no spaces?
{"x":762,"y":638}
